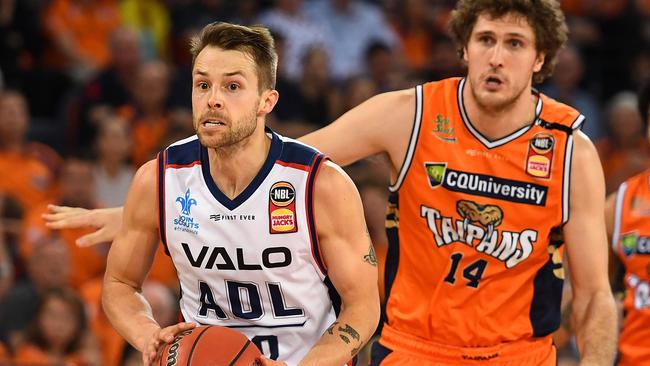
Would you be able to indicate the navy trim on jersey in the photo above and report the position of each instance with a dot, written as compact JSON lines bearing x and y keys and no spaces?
{"x":392,"y":255}
{"x":295,"y":325}
{"x":547,"y":295}
{"x":183,"y":154}
{"x":313,"y":234}
{"x":274,"y":153}
{"x":161,"y":198}
{"x":297,"y":153}
{"x":334,"y":296}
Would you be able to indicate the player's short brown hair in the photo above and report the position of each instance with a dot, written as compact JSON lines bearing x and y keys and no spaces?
{"x":544,"y":16}
{"x":255,"y":41}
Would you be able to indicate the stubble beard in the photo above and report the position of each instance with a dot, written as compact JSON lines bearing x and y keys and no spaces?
{"x":235,"y":134}
{"x":496,"y":106}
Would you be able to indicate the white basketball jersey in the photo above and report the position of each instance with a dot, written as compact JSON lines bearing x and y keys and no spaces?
{"x":252,"y":263}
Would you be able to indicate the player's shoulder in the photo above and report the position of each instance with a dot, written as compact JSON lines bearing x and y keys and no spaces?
{"x":333,"y":181}
{"x":297,"y":152}
{"x":557,"y":112}
{"x":182,"y":152}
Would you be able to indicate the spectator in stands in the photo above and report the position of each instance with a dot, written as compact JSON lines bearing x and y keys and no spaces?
{"x":416,"y":30}
{"x":112,"y":170}
{"x":151,"y":19}
{"x":382,"y":67}
{"x":27,"y":168}
{"x":59,"y":334}
{"x":349,"y":28}
{"x":110,"y":89}
{"x":288,"y":18}
{"x":80,"y":30}
{"x":6,"y":261}
{"x":148,"y":114}
{"x":625,"y":152}
{"x":48,"y":267}
{"x":76,"y":189}
{"x":565,"y":86}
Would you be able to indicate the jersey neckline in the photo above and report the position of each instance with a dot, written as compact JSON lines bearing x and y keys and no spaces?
{"x":503,"y":140}
{"x":271,"y":158}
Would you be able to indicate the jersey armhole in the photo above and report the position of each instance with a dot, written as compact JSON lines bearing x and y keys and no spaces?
{"x":161,"y":159}
{"x":618,"y":215}
{"x":309,"y":206}
{"x":415,"y":133}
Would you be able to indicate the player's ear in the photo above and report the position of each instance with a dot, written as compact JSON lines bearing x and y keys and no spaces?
{"x":268,"y":100}
{"x":539,"y":61}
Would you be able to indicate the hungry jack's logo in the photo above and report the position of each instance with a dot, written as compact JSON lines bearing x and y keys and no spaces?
{"x":282,"y":209}
{"x":540,"y":155}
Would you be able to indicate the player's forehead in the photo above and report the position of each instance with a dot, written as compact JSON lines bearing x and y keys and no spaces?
{"x":510,"y":23}
{"x":214,"y":61}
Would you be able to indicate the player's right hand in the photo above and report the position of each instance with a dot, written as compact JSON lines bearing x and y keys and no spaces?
{"x":159,"y":338}
{"x":107,"y":221}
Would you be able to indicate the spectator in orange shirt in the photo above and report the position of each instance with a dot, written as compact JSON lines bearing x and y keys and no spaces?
{"x":25,"y":175}
{"x":77,"y":189}
{"x":81,"y":30}
{"x":59,"y":334}
{"x":148,"y":114}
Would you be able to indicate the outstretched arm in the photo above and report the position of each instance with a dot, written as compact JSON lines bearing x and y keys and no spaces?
{"x":107,"y":221}
{"x":129,"y":261}
{"x":585,"y":235}
{"x":351,"y":266}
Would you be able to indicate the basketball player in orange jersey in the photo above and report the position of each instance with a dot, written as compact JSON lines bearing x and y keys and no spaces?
{"x":236,"y":210}
{"x":492,"y":183}
{"x":627,"y":212}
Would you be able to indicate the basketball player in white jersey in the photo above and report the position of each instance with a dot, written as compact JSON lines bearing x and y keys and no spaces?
{"x":236,"y":207}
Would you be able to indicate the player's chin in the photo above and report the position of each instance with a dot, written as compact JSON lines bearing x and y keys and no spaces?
{"x":210,"y":141}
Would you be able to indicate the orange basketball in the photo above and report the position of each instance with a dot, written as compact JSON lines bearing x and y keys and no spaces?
{"x":210,"y":345}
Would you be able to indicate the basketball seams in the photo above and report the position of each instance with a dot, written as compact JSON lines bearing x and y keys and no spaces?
{"x":196,"y":341}
{"x":240,"y":353}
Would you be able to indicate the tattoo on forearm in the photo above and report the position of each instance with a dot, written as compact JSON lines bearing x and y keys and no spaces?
{"x":371,"y":257}
{"x":330,"y":330}
{"x":355,"y":350}
{"x":350,"y":331}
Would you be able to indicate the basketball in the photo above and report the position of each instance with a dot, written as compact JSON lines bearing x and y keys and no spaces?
{"x":210,"y":345}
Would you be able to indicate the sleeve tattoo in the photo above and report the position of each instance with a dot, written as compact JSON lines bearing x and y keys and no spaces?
{"x":347,"y":334}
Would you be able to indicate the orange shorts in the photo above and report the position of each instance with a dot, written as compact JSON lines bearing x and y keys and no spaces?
{"x":400,"y":349}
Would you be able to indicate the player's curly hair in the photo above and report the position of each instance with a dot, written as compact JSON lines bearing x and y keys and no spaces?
{"x":256,"y":41}
{"x":544,"y":16}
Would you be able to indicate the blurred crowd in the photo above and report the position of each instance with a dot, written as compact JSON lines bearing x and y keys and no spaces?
{"x":91,"y":89}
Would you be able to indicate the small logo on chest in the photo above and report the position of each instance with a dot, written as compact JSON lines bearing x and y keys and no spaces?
{"x":185,"y":221}
{"x":282,"y":208}
{"x":540,"y":155}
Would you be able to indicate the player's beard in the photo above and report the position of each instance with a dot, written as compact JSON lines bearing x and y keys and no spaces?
{"x":235,"y":133}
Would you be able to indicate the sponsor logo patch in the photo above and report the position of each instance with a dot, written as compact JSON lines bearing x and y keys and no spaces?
{"x":443,"y":129}
{"x":632,"y":244}
{"x":540,"y":155}
{"x":282,"y":208}
{"x":439,"y":174}
{"x":185,"y":221}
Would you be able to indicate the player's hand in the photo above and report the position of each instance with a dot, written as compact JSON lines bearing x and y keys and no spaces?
{"x":153,"y":349}
{"x":107,"y":221}
{"x":263,"y":361}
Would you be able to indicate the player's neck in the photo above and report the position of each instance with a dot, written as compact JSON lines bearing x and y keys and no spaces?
{"x":233,"y":168}
{"x":495,"y":123}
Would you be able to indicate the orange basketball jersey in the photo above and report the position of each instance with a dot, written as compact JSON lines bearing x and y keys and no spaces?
{"x":631,"y":242}
{"x":475,"y":255}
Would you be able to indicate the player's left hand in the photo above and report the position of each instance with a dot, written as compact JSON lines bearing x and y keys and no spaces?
{"x":263,"y":361}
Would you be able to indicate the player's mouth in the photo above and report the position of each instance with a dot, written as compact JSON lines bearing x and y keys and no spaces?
{"x":212,"y":123}
{"x":493,"y":82}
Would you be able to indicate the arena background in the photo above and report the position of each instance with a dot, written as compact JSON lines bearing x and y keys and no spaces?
{"x":92,"y":89}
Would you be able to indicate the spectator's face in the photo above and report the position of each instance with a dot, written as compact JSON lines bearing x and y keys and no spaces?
{"x":114,"y":141}
{"x":14,"y":117}
{"x":152,"y":87}
{"x":126,"y":49}
{"x":501,"y":59}
{"x":625,"y":123}
{"x":226,"y":104}
{"x":57,"y":322}
{"x":77,"y":184}
{"x":568,"y":70}
{"x":316,"y":65}
{"x":49,"y":265}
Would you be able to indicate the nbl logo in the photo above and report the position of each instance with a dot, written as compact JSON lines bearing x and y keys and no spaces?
{"x":282,"y":208}
{"x":282,"y":194}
